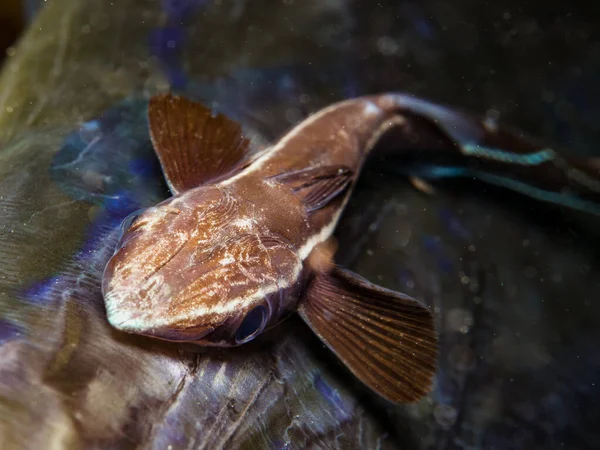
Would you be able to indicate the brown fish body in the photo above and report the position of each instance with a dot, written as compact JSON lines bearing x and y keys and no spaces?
{"x":232,"y":253}
{"x":210,"y":227}
{"x":207,"y":251}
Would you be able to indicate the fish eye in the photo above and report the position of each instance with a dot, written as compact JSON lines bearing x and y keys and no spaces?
{"x":251,"y":325}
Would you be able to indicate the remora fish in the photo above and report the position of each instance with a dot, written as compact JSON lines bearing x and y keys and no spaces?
{"x":243,"y":241}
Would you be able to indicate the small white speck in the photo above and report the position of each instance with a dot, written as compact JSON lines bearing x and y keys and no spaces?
{"x":227,"y":260}
{"x":371,"y":109}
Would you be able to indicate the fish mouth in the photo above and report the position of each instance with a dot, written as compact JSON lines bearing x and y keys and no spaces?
{"x":134,"y":322}
{"x":156,"y":324}
{"x":193,"y":334}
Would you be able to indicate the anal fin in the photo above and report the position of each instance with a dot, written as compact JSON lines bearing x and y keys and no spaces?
{"x":385,"y":338}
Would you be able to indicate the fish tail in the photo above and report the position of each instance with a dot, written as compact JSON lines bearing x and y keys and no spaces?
{"x":442,"y":143}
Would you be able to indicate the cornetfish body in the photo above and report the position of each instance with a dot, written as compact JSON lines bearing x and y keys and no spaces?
{"x":246,"y":238}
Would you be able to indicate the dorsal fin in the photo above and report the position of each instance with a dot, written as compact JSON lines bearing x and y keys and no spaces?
{"x":318,"y":185}
{"x":193,"y":146}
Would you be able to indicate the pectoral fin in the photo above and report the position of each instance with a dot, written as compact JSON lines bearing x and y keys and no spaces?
{"x":318,"y":185}
{"x":194,"y":147}
{"x":385,"y":338}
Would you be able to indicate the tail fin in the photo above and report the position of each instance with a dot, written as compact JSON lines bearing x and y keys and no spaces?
{"x":446,"y":143}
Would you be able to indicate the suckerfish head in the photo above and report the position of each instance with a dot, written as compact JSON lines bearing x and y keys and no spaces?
{"x":200,"y":267}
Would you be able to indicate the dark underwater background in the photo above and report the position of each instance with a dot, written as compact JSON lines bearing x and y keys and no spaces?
{"x":514,"y":283}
